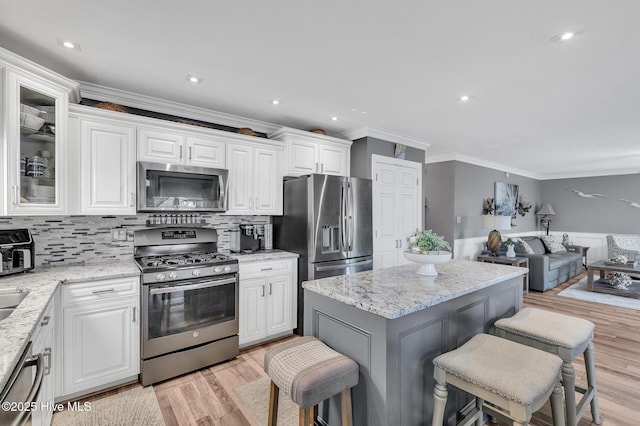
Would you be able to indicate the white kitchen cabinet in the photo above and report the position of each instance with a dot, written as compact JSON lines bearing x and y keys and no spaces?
{"x":100,"y":334}
{"x":397,"y":195}
{"x":104,"y":155}
{"x":268,"y":300}
{"x":36,"y":151}
{"x":308,"y":152}
{"x":255,"y":179}
{"x":43,"y":343}
{"x":169,"y":146}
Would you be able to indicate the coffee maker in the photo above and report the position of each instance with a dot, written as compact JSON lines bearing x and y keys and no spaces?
{"x":17,"y":252}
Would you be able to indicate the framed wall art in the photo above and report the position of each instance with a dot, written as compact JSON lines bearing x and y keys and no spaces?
{"x":506,"y":198}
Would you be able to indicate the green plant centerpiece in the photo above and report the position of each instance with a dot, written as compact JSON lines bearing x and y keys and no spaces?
{"x":510,"y":243}
{"x":427,"y":248}
{"x":424,"y":242}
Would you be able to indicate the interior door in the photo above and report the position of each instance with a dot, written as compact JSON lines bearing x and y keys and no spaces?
{"x":396,"y":213}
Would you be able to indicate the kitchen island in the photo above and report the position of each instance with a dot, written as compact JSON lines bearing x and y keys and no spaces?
{"x":393,"y":322}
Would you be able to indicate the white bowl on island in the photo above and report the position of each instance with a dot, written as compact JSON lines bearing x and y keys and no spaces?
{"x":427,"y":261}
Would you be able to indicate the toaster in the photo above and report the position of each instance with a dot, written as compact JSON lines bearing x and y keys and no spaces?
{"x":16,"y":251}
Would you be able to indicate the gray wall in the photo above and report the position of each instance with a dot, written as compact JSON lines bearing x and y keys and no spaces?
{"x":599,"y":215}
{"x":457,"y":190}
{"x":440,"y":188}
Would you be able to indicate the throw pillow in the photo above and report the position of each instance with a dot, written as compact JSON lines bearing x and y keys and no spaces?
{"x":522,"y":246}
{"x":536,"y":245}
{"x":552,"y":245}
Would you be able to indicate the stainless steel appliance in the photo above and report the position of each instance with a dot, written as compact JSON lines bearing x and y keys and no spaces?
{"x":189,"y":301}
{"x":16,"y":251}
{"x":327,"y":221}
{"x":170,"y":187}
{"x":22,"y":389}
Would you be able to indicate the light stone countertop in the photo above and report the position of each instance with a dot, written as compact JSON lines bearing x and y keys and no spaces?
{"x":398,"y":291}
{"x":263,"y":255}
{"x":16,"y":330}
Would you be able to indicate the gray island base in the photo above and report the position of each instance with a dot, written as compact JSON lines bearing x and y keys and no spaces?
{"x":393,"y":323}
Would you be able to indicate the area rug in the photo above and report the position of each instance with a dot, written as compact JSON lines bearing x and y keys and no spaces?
{"x":137,"y":406}
{"x":255,"y":398}
{"x":579,"y":291}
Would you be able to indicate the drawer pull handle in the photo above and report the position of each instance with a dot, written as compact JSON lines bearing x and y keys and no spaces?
{"x":108,"y":290}
{"x":47,"y":355}
{"x":266,"y":269}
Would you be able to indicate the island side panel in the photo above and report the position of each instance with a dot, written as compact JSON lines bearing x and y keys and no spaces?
{"x":396,"y":356}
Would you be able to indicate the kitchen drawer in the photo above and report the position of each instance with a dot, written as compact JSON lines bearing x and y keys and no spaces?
{"x":99,"y":290}
{"x":267,"y":267}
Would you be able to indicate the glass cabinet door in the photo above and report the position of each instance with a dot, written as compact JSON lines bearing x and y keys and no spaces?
{"x":37,"y":148}
{"x":37,"y":130}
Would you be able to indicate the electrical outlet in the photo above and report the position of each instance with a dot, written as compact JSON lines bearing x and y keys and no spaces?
{"x":118,"y":234}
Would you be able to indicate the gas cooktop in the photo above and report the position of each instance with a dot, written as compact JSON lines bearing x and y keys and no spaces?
{"x":200,"y":259}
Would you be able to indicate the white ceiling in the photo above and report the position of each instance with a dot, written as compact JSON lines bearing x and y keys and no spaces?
{"x":542,"y":108}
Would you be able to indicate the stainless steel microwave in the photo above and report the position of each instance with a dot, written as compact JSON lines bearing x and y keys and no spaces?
{"x":171,"y":187}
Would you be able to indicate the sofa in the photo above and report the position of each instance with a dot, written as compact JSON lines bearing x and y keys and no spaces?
{"x":625,"y":245}
{"x":550,"y":263}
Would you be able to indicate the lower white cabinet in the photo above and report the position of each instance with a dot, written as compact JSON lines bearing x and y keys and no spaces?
{"x":268,"y":299}
{"x":100,"y":334}
{"x":43,"y":340}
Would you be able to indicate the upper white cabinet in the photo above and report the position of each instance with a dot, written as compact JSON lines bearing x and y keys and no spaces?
{"x":104,"y":154}
{"x":308,"y":152}
{"x":396,"y":214}
{"x":33,"y":149}
{"x":255,"y":178}
{"x":160,"y":145}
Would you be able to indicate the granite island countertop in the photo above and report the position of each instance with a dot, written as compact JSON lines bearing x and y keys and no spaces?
{"x":16,"y":330}
{"x":398,"y":291}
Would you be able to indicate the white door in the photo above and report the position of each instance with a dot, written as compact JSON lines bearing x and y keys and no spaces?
{"x":333,"y":160}
{"x":397,"y":189}
{"x":251,"y":315}
{"x":205,"y":152}
{"x":107,"y":168}
{"x":241,"y":178}
{"x":100,"y":344}
{"x":160,"y":146}
{"x":302,"y":158}
{"x":267,"y":188}
{"x":279,"y":304}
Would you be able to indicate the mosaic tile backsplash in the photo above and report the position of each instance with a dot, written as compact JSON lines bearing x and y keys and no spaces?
{"x":82,"y":239}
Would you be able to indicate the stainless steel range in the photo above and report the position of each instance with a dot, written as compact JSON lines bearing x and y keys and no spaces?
{"x":189,"y":301}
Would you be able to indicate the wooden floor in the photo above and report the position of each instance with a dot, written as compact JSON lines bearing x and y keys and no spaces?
{"x":206,"y":397}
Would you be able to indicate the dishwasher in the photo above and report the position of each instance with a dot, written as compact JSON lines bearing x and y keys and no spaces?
{"x":22,"y":389}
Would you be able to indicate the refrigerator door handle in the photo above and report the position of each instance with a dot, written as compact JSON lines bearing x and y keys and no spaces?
{"x":343,"y":266}
{"x":343,"y":219}
{"x":350,"y":216}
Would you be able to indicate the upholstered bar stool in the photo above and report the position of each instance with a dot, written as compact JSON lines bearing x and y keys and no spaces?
{"x":515,"y":378}
{"x":309,"y":372}
{"x":567,"y":337}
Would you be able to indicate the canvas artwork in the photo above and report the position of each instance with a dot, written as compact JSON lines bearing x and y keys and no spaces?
{"x":506,"y":198}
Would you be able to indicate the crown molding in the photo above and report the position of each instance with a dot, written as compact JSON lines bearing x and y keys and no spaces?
{"x":24,"y":65}
{"x":592,"y":173}
{"x":149,"y":103}
{"x":383,"y":134}
{"x":480,"y":162}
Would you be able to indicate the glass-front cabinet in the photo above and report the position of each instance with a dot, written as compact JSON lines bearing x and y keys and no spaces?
{"x":37,"y":140}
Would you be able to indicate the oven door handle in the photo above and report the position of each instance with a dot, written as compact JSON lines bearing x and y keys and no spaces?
{"x":198,"y":286}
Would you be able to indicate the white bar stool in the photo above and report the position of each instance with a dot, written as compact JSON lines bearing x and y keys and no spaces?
{"x":515,"y":378}
{"x":561,"y":335}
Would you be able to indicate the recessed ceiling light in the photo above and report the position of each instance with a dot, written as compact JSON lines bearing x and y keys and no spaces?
{"x":68,"y":44}
{"x":275,"y":102}
{"x":564,"y":36}
{"x":464,"y":98}
{"x":334,"y":118}
{"x":194,"y":79}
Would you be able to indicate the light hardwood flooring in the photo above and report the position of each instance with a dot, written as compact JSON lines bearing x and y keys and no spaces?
{"x":206,"y":397}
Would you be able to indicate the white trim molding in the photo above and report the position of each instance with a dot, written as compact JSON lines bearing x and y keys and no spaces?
{"x":383,"y":134}
{"x":149,"y":103}
{"x":480,"y":162}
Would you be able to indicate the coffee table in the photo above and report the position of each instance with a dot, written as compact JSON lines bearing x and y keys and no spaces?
{"x":603,"y":286}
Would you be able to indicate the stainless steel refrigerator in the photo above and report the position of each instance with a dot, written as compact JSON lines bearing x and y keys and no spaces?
{"x":327,"y":221}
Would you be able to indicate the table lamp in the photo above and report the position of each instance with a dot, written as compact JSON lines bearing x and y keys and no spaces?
{"x":494,"y":223}
{"x":546,"y":211}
